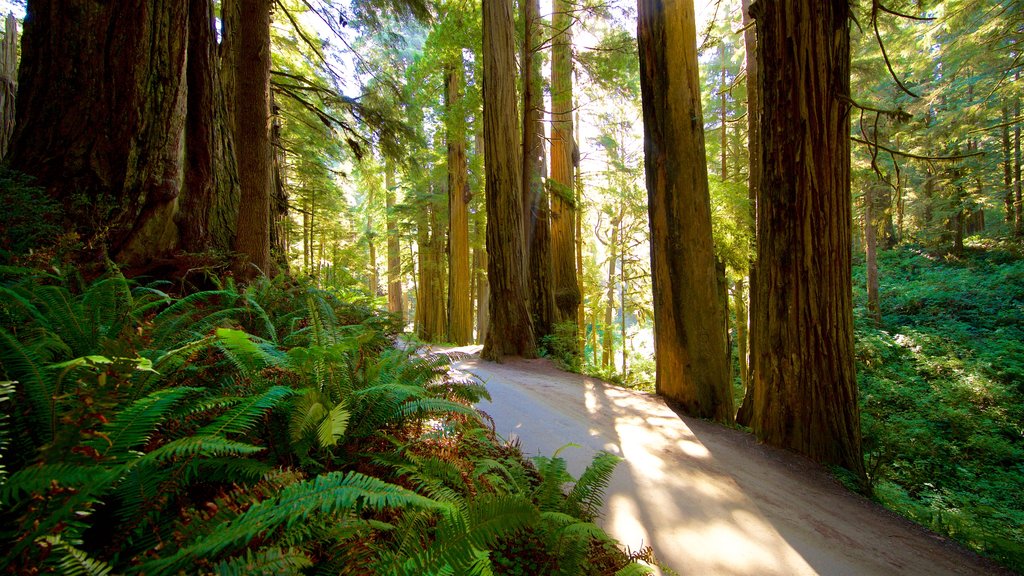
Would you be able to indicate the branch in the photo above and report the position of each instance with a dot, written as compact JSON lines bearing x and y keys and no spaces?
{"x":916,"y":156}
{"x":885,"y":56}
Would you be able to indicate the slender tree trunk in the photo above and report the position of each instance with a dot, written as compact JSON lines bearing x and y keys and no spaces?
{"x":724,"y":133}
{"x":536,"y":204}
{"x":1019,"y":216}
{"x":394,"y":246}
{"x":460,"y":327}
{"x":8,"y":81}
{"x":622,"y":292}
{"x":106,"y":130}
{"x":1007,"y":167}
{"x":482,"y":296}
{"x":563,"y":148}
{"x":805,"y":389}
{"x":510,"y":330}
{"x":870,"y":253}
{"x":581,"y":308}
{"x":689,"y":336}
{"x":746,"y":410}
{"x":252,"y":138}
{"x":608,"y":344}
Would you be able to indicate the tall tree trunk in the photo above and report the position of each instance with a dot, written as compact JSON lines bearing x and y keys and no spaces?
{"x":430,"y":302}
{"x":805,"y":389}
{"x":746,"y":409}
{"x":608,"y":343}
{"x":460,"y":327}
{"x":581,"y":307}
{"x":1007,"y":167}
{"x":209,"y":205}
{"x":1019,"y":216}
{"x":536,"y":204}
{"x":109,"y":131}
{"x":871,"y":252}
{"x":394,"y":247}
{"x":689,"y":338}
{"x":563,"y":150}
{"x":252,"y":138}
{"x":724,"y":133}
{"x":510,"y":330}
{"x":622,"y":289}
{"x":8,"y":81}
{"x":483,"y":291}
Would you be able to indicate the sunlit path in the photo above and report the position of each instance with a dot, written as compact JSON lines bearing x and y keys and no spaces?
{"x":709,"y":499}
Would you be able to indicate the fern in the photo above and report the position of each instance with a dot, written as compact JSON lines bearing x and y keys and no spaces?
{"x":586,"y":496}
{"x":326,"y":494}
{"x":247,"y":355}
{"x":635,"y":569}
{"x":269,"y":562}
{"x":22,"y":364}
{"x":208,"y":446}
{"x":134,"y":425}
{"x":71,"y":561}
{"x":6,"y":392}
{"x":247,"y":412}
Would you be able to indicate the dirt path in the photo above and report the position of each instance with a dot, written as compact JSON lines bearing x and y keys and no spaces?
{"x":709,"y":499}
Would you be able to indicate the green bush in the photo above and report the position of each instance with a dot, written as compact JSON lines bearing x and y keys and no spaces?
{"x":941,"y":394}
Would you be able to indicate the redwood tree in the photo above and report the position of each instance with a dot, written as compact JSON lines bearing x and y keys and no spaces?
{"x":460,"y":304}
{"x":251,"y":65}
{"x":510,"y":329}
{"x":536,"y":202}
{"x":104,"y":134}
{"x":689,"y":328}
{"x":805,"y":390}
{"x":563,"y":151}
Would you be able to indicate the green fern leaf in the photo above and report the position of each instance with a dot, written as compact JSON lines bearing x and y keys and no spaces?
{"x":23,"y":365}
{"x":208,"y":446}
{"x":73,"y":562}
{"x":268,"y":562}
{"x":133,"y":426}
{"x":586,"y":497}
{"x":635,"y":569}
{"x":333,"y":426}
{"x":244,"y":415}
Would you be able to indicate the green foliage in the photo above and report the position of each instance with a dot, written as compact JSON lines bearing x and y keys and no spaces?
{"x":30,"y":218}
{"x":268,"y":430}
{"x":941,"y":395}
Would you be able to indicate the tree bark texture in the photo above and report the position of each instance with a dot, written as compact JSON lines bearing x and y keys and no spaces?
{"x":460,"y":303}
{"x":510,"y":330}
{"x":563,"y":204}
{"x":689,"y":338}
{"x":483,"y":290}
{"x":8,"y":81}
{"x":209,"y":207}
{"x":394,"y":246}
{"x":805,"y":390}
{"x":252,"y":138}
{"x":536,"y":202}
{"x":745,"y":412}
{"x":105,"y":135}
{"x":430,"y":303}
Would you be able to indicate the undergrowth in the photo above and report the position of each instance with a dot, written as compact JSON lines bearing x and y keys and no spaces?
{"x":942,"y":394}
{"x":274,"y":429}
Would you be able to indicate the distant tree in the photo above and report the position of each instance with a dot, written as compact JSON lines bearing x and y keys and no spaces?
{"x":564,"y":154}
{"x":394,"y":247}
{"x":805,"y":390}
{"x":689,"y":326}
{"x":460,"y":305}
{"x":510,"y":329}
{"x":536,"y":200}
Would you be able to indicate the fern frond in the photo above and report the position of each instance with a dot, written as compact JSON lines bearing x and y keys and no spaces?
{"x":333,"y":426}
{"x":423,"y":406}
{"x":268,"y":562}
{"x":635,"y":569}
{"x":73,"y":562}
{"x":23,"y":365}
{"x":134,"y":425}
{"x":207,"y":446}
{"x":6,"y":391}
{"x":108,"y":303}
{"x":325,"y":494}
{"x":554,"y":476}
{"x":247,"y":354}
{"x":247,"y":412}
{"x":586,"y":496}
{"x":38,"y":479}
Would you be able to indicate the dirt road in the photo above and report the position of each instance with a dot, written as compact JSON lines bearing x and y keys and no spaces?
{"x":709,"y":499}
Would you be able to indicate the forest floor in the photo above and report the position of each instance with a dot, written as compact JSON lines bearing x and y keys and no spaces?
{"x":709,"y":499}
